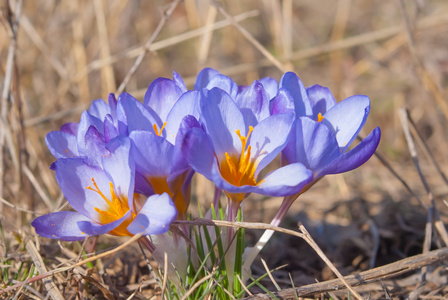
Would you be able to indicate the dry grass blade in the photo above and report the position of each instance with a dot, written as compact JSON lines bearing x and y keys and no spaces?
{"x":53,"y":291}
{"x":165,"y":275}
{"x":388,"y":271}
{"x":270,"y":275}
{"x":139,"y":59}
{"x":196,"y":285}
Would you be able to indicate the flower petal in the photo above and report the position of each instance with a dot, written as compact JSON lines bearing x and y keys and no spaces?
{"x":321,"y":99}
{"x":270,"y":86}
{"x":95,"y":147}
{"x":269,"y":138}
{"x":356,"y":156}
{"x":295,"y":87}
{"x":86,"y":121}
{"x":253,"y":103}
{"x":153,"y":154}
{"x":222,"y":118}
{"x":61,"y":144}
{"x":74,"y":176}
{"x":188,"y":104}
{"x":161,"y":96}
{"x":61,"y":225}
{"x":155,"y":216}
{"x":204,"y":78}
{"x":137,"y":116}
{"x":347,"y":118}
{"x":282,"y":103}
{"x":315,"y":145}
{"x":93,"y":228}
{"x":71,"y":128}
{"x":179,"y":81}
{"x":99,"y":109}
{"x":225,"y":83}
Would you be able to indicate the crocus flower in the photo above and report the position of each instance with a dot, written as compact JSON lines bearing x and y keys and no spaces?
{"x":104,"y":199}
{"x":155,"y":128}
{"x":231,"y":154}
{"x":320,"y":137}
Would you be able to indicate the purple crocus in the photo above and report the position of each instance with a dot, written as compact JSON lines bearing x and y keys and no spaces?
{"x":232,"y":154}
{"x":320,"y":138}
{"x":104,"y":199}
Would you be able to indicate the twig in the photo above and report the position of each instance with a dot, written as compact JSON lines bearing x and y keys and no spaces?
{"x":139,"y":59}
{"x":384,"y":272}
{"x":165,"y":275}
{"x":270,"y":275}
{"x":39,"y":263}
{"x":251,"y":39}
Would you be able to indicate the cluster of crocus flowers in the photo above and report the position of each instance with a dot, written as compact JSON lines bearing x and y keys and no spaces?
{"x":126,"y":167}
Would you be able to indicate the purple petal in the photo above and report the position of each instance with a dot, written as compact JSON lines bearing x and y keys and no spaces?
{"x":356,"y":156}
{"x":99,"y":109}
{"x":161,"y":96}
{"x":321,"y":99}
{"x":74,"y":176}
{"x":155,"y":216}
{"x":295,"y":87}
{"x":270,"y":86}
{"x":282,"y":103}
{"x":120,"y":167}
{"x":153,"y":154}
{"x":110,"y":131}
{"x":138,"y":117}
{"x":112,"y":105}
{"x":284,"y":181}
{"x":186,"y":105}
{"x":269,"y":138}
{"x":95,"y":147}
{"x":253,"y":103}
{"x":204,"y":78}
{"x":179,"y":81}
{"x":225,"y":83}
{"x":347,"y":118}
{"x":222,"y":118}
{"x":315,"y":145}
{"x":86,"y":121}
{"x":93,"y":228}
{"x":62,"y":144}
{"x":199,"y":152}
{"x":62,"y":225}
{"x":71,"y":128}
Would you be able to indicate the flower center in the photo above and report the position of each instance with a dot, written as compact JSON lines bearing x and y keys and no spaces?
{"x":116,"y":209}
{"x":159,"y":133}
{"x":240,"y":170}
{"x":320,"y":117}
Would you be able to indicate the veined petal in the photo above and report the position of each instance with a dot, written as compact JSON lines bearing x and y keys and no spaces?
{"x":93,"y":228}
{"x":95,"y":147}
{"x":295,"y":87}
{"x":347,"y":118}
{"x":153,"y":154}
{"x":282,"y":103}
{"x":138,"y":117}
{"x":224,"y":83}
{"x":62,"y":144}
{"x":321,"y":99}
{"x":120,"y":167}
{"x":62,"y":225}
{"x":284,"y":181}
{"x":270,"y":86}
{"x":86,"y":121}
{"x":198,"y":150}
{"x":74,"y":176}
{"x":222,"y":119}
{"x":99,"y":109}
{"x":356,"y":156}
{"x":188,"y":104}
{"x":253,"y":103}
{"x":315,"y":144}
{"x":155,"y":216}
{"x":161,"y":96}
{"x":269,"y":138}
{"x":204,"y":78}
{"x":179,"y":81}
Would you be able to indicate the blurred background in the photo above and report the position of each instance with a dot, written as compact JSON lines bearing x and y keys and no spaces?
{"x":58,"y":56}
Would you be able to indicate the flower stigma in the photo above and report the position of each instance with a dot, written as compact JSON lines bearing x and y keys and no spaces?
{"x":159,"y":133}
{"x":117,"y":208}
{"x":240,"y":170}
{"x":320,"y":117}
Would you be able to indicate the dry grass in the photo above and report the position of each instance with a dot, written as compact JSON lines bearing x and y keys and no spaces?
{"x":57,"y":56}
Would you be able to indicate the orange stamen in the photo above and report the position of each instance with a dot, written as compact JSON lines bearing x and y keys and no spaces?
{"x":320,"y":117}
{"x":159,"y":133}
